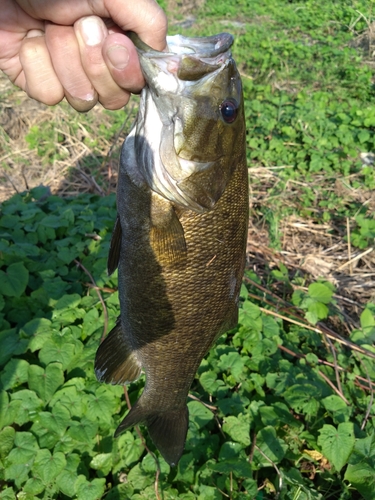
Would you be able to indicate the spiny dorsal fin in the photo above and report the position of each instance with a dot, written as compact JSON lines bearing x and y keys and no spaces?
{"x":166,"y":234}
{"x":115,"y":363}
{"x":115,"y":247}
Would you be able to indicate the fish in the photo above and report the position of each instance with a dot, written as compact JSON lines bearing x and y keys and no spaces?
{"x":179,"y":240}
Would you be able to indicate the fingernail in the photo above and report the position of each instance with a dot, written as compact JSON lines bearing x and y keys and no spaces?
{"x":83,"y":103}
{"x":34,"y":33}
{"x":118,"y":56}
{"x":92,"y":31}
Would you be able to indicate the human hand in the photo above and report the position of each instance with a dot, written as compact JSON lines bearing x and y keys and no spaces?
{"x":77,"y":48}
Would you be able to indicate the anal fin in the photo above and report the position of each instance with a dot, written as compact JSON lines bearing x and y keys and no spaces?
{"x":115,"y":362}
{"x":115,"y":247}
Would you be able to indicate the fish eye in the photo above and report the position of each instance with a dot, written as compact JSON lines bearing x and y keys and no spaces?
{"x":229,"y":110}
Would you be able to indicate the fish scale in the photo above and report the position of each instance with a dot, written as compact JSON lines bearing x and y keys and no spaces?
{"x":180,"y":259}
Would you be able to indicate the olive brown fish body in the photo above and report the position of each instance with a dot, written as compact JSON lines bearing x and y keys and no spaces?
{"x":180,"y":236}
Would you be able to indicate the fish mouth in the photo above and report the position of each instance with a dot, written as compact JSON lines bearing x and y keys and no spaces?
{"x":205,"y":47}
{"x":190,"y":59}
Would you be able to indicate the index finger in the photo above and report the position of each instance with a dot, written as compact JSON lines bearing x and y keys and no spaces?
{"x":145,"y":17}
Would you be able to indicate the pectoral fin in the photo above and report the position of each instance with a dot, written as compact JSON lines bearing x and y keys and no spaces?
{"x":115,"y":247}
{"x":115,"y":362}
{"x":166,"y":234}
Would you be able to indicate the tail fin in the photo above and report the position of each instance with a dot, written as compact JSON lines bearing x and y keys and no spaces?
{"x":167,"y":430}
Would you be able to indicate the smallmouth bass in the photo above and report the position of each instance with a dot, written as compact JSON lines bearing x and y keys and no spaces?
{"x":180,"y":236}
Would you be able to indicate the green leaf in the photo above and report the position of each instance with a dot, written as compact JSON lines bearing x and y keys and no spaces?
{"x":103,"y":405}
{"x":53,"y":221}
{"x":149,"y":464}
{"x":139,"y":479}
{"x":199,"y":415}
{"x":122,"y":491}
{"x":311,"y":316}
{"x":11,"y":344}
{"x":361,"y":469}
{"x":234,"y":363}
{"x":7,"y":436}
{"x":67,"y":302}
{"x":67,"y":316}
{"x":250,"y":316}
{"x":278,"y":415}
{"x":316,"y":311}
{"x":69,"y":397}
{"x":83,"y":431}
{"x":337,"y":444}
{"x":65,"y":481}
{"x":47,"y":466}
{"x":25,"y":448}
{"x":8,"y":410}
{"x":50,"y":427}
{"x":34,"y":486}
{"x":273,"y":448}
{"x":234,"y":405}
{"x":230,"y":450}
{"x":303,"y":398}
{"x":27,"y":407}
{"x":237,"y":430}
{"x":185,"y":469}
{"x":367,"y":319}
{"x":270,"y":327}
{"x":91,"y":322}
{"x":18,"y":473}
{"x":15,"y":373}
{"x":102,"y":462}
{"x":38,"y":330}
{"x":320,"y":292}
{"x":45,"y":382}
{"x":337,"y":407}
{"x":240,"y":467}
{"x":364,"y":136}
{"x":14,"y":280}
{"x":7,"y":494}
{"x":67,"y":255}
{"x":130,"y":449}
{"x":210,"y":382}
{"x":52,"y":351}
{"x":208,"y":493}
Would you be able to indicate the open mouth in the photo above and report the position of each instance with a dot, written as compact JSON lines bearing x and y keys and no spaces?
{"x":203,"y":47}
{"x":189,"y":59}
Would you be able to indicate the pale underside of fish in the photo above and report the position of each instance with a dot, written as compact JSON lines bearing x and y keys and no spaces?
{"x":180,"y":237}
